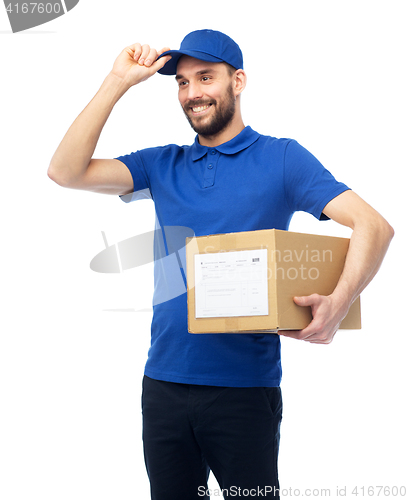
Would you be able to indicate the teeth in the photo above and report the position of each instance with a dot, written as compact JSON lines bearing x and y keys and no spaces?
{"x":200,"y":108}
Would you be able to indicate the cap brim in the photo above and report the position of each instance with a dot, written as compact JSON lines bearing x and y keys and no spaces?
{"x":170,"y":68}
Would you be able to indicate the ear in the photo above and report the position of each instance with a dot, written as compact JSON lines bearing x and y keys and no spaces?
{"x":240,"y":80}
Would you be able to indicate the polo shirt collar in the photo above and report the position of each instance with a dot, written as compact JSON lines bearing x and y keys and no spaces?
{"x":240,"y":142}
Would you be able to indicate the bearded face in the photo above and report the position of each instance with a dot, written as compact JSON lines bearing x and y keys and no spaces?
{"x":206,"y":95}
{"x":208,"y":117}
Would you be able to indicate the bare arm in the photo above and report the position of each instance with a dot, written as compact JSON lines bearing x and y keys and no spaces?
{"x":368,"y":245}
{"x":72,"y":164}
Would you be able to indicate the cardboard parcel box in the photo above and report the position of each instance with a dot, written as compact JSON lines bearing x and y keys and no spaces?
{"x":246,"y":281}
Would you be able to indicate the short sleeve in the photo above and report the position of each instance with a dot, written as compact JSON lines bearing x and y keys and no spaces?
{"x":141,"y":184}
{"x":308,"y":185}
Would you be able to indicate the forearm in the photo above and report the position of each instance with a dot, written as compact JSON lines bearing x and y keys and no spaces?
{"x":368,"y":245}
{"x":75,"y":151}
{"x":69,"y":165}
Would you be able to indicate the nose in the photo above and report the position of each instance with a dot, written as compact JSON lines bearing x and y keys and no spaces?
{"x":194,"y":91}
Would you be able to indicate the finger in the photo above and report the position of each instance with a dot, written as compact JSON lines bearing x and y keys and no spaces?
{"x":298,"y":335}
{"x":309,"y":330}
{"x":134,"y":50}
{"x":163,"y":50}
{"x":151,"y":57}
{"x":316,"y":335}
{"x":144,"y":54}
{"x":307,"y":333}
{"x":307,"y":300}
{"x":159,"y":63}
{"x":294,"y":334}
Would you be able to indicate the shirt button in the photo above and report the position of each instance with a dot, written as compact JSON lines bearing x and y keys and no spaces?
{"x":210,"y":166}
{"x":213,"y":152}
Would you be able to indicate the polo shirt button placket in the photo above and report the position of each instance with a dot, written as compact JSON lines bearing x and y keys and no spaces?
{"x":209,"y":174}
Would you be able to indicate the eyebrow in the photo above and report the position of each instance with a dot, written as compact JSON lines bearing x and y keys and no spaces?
{"x":202,"y":72}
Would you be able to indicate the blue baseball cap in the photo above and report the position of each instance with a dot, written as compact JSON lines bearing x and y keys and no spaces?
{"x":206,"y":45}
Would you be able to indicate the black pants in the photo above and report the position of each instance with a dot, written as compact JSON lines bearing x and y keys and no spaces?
{"x":189,"y":430}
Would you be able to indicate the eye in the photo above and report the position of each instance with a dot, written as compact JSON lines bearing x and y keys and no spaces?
{"x":182,"y":83}
{"x":205,"y":78}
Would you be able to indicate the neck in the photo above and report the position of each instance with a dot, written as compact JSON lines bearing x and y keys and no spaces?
{"x":235,"y":127}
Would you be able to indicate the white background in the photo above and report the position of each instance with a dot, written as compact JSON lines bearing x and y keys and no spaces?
{"x":331,"y":75}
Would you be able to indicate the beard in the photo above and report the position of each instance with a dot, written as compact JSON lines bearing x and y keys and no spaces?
{"x":224,"y":112}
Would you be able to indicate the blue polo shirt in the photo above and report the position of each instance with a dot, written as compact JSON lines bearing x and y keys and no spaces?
{"x":249,"y":183}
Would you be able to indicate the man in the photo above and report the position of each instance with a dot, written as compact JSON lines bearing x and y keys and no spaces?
{"x":213,"y":402}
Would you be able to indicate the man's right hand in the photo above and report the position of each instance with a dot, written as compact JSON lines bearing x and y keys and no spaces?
{"x":137,"y":63}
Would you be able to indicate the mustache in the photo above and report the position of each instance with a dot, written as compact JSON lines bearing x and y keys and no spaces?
{"x":193,"y":104}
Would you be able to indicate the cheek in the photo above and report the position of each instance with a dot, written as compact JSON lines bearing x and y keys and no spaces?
{"x":183,"y":97}
{"x":181,"y":100}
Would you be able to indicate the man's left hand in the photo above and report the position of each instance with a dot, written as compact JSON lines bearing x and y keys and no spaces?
{"x":327,"y":317}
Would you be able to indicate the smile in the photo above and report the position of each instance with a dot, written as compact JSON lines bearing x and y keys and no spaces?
{"x":197,"y":110}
